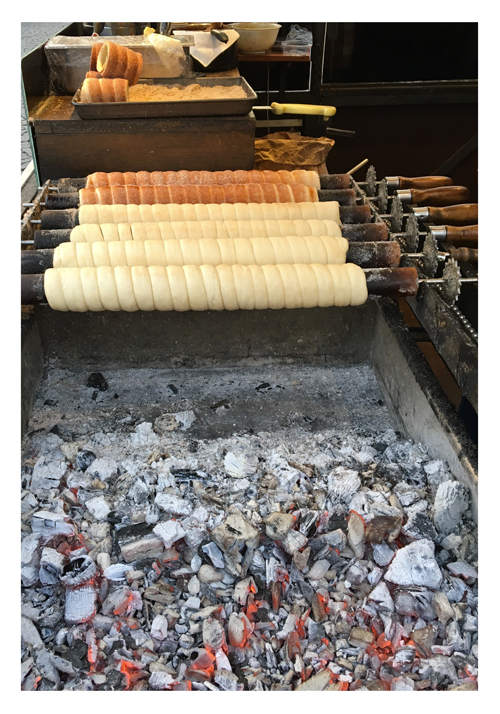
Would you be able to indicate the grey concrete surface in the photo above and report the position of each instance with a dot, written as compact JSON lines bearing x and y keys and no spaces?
{"x":32,"y":35}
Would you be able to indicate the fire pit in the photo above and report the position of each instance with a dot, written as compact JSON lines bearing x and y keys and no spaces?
{"x":243,"y":502}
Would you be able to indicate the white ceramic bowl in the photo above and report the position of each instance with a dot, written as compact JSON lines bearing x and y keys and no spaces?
{"x":256,"y":36}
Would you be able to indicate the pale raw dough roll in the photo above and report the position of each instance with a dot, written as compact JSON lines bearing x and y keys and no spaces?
{"x":132,"y":213}
{"x":90,"y":232}
{"x":222,"y":251}
{"x":205,"y":287}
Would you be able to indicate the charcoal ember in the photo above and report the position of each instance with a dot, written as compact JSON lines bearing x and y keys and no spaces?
{"x":98,"y":507}
{"x":424,"y":637}
{"x":50,"y":675}
{"x":356,"y":534}
{"x":381,"y":595}
{"x":80,"y":604}
{"x":442,"y":607}
{"x":30,"y":550}
{"x":359,"y":637}
{"x":227,"y":681}
{"x":170,"y":532}
{"x":462,"y":569}
{"x":159,"y":628}
{"x":235,"y":532}
{"x":149,"y":546}
{"x":170,"y":503}
{"x":96,"y":380}
{"x":343,"y":484}
{"x":335,"y":539}
{"x":405,"y":603}
{"x":316,"y":683}
{"x":243,"y":589}
{"x":383,"y":554}
{"x":415,"y":565}
{"x":78,"y":571}
{"x":301,"y":558}
{"x":382,"y":527}
{"x":318,"y":570}
{"x":213,"y":634}
{"x":356,"y":574}
{"x":104,"y":469}
{"x":161,"y":680}
{"x":50,"y":524}
{"x":214,"y":554}
{"x":425,"y":609}
{"x":451,"y":502}
{"x":84,"y":459}
{"x":240,"y":463}
{"x":278,"y":525}
{"x":419,"y":526}
{"x":48,"y":472}
{"x":208,"y":574}
{"x":29,"y":633}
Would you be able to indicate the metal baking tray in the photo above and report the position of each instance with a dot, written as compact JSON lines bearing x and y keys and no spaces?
{"x":184,"y":108}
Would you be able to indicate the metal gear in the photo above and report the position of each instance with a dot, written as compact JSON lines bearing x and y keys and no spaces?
{"x":430,"y":255}
{"x":382,"y":196}
{"x":371,"y":181}
{"x":411,"y":234}
{"x":450,"y":288}
{"x":396,"y":215}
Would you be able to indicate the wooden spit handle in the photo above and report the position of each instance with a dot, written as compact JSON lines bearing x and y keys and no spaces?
{"x":424,"y":181}
{"x":462,"y":235}
{"x":462,"y":255}
{"x":386,"y":282}
{"x":462,"y":215}
{"x":441,"y":196}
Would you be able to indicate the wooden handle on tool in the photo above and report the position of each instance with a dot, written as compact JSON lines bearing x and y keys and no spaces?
{"x":463,"y":215}
{"x":303,"y":109}
{"x":424,"y":181}
{"x":392,"y":282}
{"x":382,"y":254}
{"x":462,"y":255}
{"x":462,"y":235}
{"x":441,"y":196}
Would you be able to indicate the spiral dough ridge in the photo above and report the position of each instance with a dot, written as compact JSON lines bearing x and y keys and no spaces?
{"x":204,"y":287}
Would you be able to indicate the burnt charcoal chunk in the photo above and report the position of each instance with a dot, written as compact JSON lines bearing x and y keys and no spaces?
{"x":264,"y":385}
{"x":173,"y":388}
{"x":116,"y":681}
{"x":193,"y":447}
{"x":337,"y":522}
{"x":97,"y":381}
{"x":50,"y":403}
{"x":84,"y":458}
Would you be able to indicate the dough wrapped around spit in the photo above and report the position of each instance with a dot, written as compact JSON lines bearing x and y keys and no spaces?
{"x":205,"y":287}
{"x":222,"y":251}
{"x":104,"y":90}
{"x":119,"y":61}
{"x":237,"y":193}
{"x":92,"y":232}
{"x":157,"y":213}
{"x":200,"y":178}
{"x":93,"y":75}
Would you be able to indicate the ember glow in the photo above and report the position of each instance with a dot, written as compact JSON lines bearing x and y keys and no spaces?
{"x":322,"y":562}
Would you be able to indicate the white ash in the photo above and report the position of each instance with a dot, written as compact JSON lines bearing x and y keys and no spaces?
{"x":270,"y":561}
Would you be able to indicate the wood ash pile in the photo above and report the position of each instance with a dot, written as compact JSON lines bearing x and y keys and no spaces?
{"x":277,"y":560}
